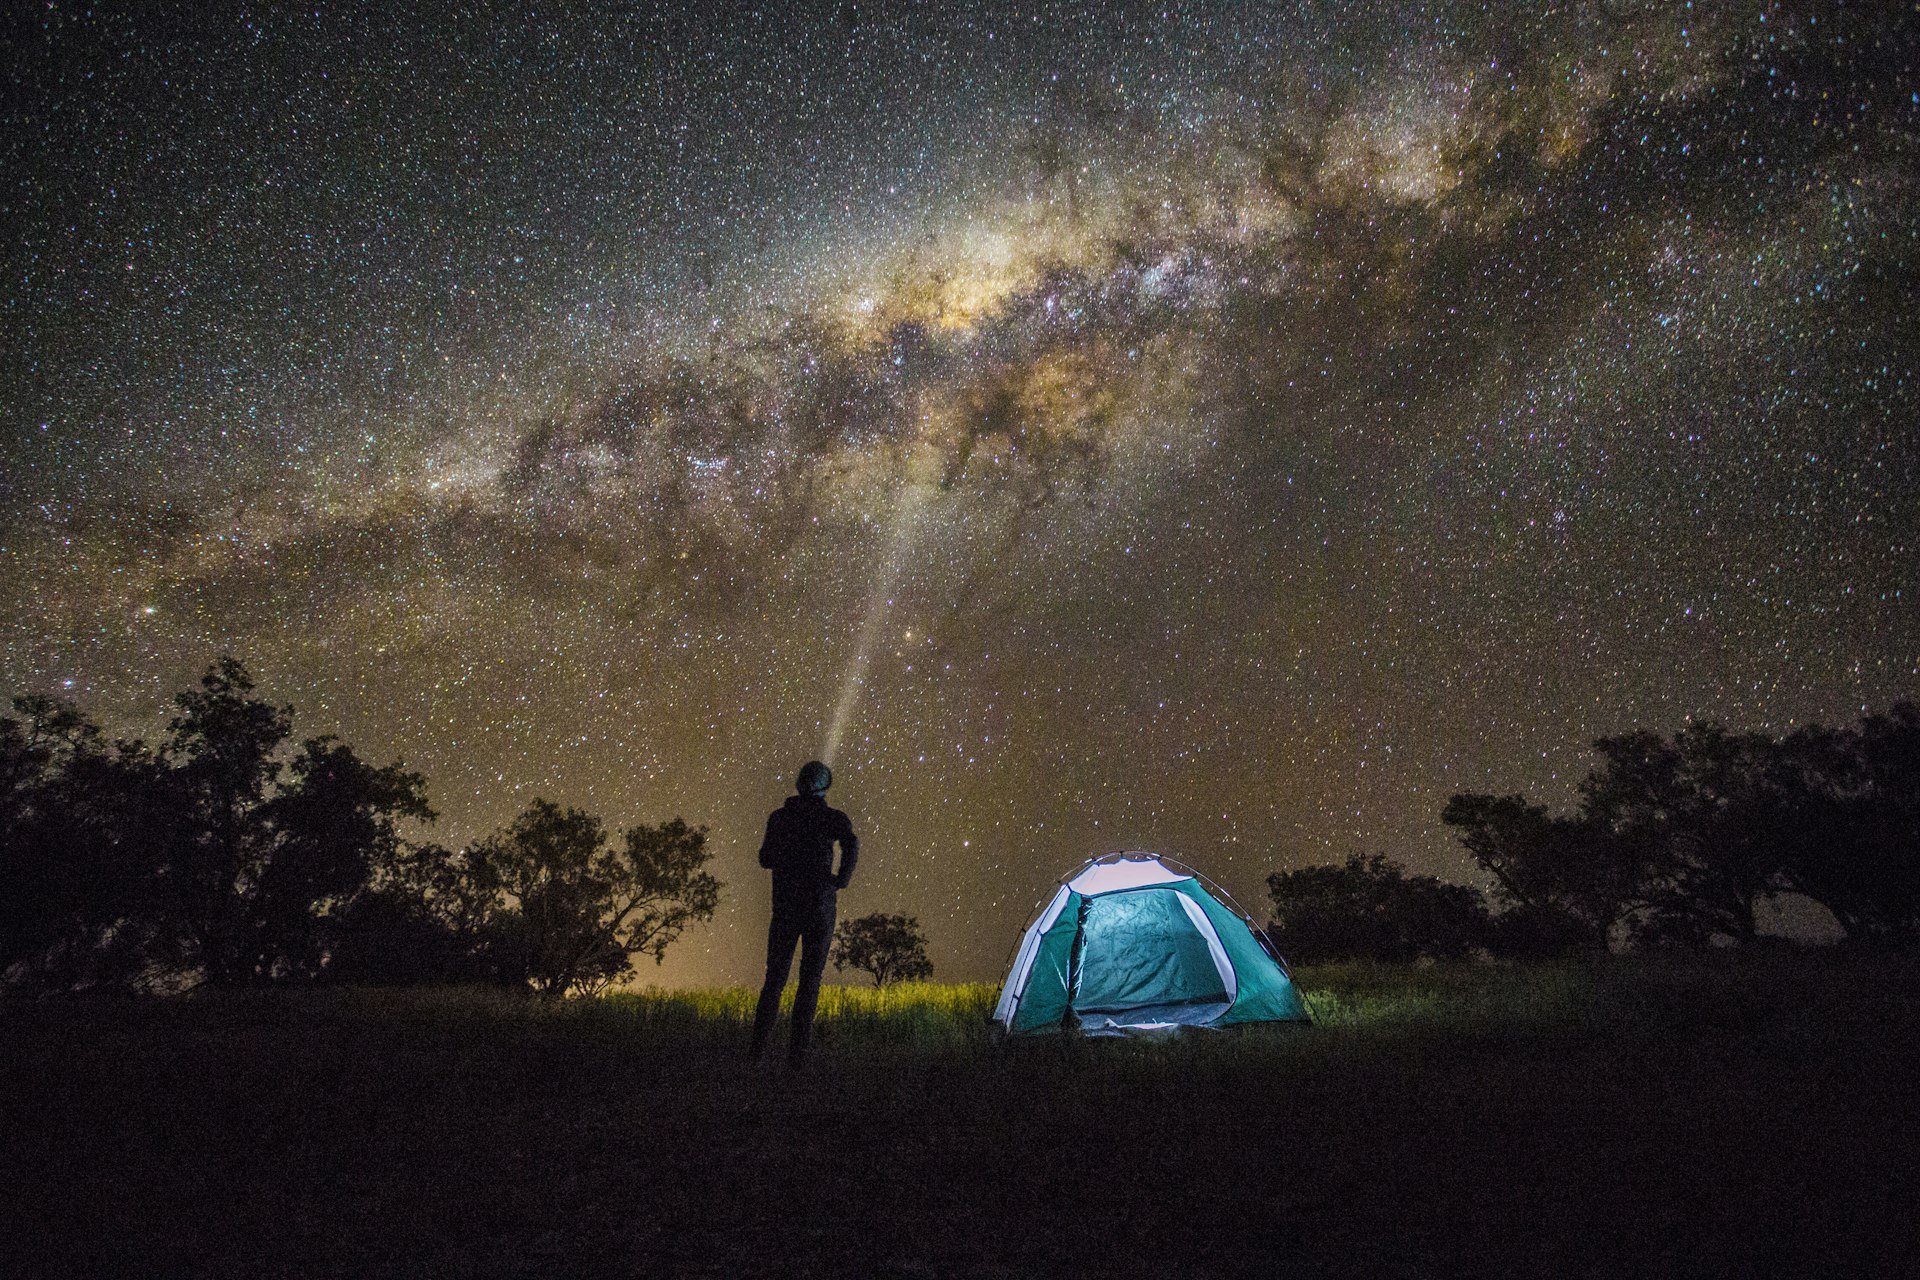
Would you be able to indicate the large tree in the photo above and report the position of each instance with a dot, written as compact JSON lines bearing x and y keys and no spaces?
{"x":222,"y":751}
{"x":1564,"y":884}
{"x":261,"y":852}
{"x":585,"y":908}
{"x":423,"y":919}
{"x":330,"y":827}
{"x":1853,"y":825}
{"x":1699,"y":817}
{"x":77,"y":870}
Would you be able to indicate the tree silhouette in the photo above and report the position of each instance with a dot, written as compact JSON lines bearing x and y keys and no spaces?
{"x":889,"y":947}
{"x":1371,"y":909}
{"x":259,"y":855}
{"x":423,"y":919}
{"x":211,"y":860}
{"x":1564,"y":884}
{"x":223,"y":858}
{"x":1851,"y":830}
{"x":1679,"y":839}
{"x":1885,"y":903}
{"x":333,"y":822}
{"x":220,"y":747}
{"x":75,"y":867}
{"x":36,"y":900}
{"x":1699,"y":817}
{"x":584,"y":909}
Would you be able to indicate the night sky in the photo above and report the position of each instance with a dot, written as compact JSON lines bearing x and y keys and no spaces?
{"x":1224,"y":429}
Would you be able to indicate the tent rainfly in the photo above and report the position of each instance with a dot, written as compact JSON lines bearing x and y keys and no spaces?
{"x":1136,"y":942}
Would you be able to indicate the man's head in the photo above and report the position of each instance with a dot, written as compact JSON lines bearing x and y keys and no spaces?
{"x":814,"y":779}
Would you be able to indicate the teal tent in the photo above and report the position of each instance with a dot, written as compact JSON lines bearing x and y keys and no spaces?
{"x":1137,"y":942}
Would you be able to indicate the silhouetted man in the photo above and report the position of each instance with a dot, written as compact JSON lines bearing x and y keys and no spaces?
{"x":799,"y":851}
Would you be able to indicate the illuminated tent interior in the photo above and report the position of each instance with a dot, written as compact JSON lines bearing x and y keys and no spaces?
{"x":1134,"y":942}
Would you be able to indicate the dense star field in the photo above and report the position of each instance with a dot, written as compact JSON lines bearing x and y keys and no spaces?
{"x":1219,"y":428}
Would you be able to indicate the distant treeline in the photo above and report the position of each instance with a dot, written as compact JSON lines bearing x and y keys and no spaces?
{"x":221,"y":857}
{"x":1676,"y":841}
{"x":226,"y":857}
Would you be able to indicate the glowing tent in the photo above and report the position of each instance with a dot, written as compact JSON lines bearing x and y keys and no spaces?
{"x":1136,"y":942}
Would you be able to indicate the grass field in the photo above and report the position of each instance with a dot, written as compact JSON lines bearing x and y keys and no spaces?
{"x":1727,"y":1115}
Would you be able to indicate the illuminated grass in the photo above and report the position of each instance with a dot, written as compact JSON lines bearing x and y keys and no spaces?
{"x":1341,"y":999}
{"x":922,"y":1014}
{"x":1359,"y":1008}
{"x":1380,"y":999}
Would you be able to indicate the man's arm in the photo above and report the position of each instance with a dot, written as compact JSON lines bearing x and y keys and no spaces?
{"x":849,"y":857}
{"x":767,"y":841}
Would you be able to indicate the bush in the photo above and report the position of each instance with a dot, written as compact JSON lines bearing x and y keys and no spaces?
{"x":1371,"y":909}
{"x":891,"y":948}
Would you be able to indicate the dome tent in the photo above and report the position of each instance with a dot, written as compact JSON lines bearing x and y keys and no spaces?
{"x":1136,"y":942}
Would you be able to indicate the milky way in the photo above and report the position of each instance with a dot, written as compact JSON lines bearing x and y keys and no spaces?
{"x":1223,"y":429}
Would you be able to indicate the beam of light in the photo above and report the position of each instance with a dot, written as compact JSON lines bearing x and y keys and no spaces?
{"x":901,"y":538}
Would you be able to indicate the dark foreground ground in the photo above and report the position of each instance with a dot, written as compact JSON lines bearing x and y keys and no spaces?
{"x":1741,"y":1117}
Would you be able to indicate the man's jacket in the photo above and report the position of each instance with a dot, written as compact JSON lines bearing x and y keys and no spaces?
{"x":798,"y":848}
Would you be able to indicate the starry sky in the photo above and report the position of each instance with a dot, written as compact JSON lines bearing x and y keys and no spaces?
{"x":1227,"y":429}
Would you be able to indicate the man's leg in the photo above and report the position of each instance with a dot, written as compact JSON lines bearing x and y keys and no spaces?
{"x":782,"y":933}
{"x":814,"y":942}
